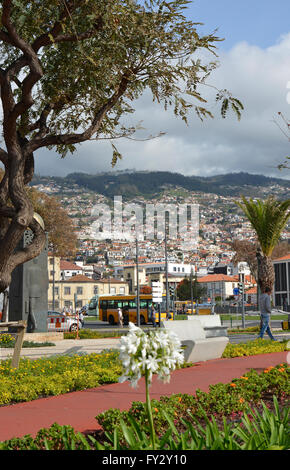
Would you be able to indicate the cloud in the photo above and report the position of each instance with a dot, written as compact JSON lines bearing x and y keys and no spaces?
{"x":258,"y":77}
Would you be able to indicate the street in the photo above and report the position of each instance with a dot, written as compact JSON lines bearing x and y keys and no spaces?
{"x":234,"y":338}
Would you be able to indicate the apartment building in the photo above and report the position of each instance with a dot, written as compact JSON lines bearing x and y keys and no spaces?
{"x":149,"y":272}
{"x":282,"y":281}
{"x":77,"y":291}
{"x":219,"y":285}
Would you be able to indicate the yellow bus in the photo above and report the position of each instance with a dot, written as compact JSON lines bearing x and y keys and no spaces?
{"x":106,"y":308}
{"x":185,"y":307}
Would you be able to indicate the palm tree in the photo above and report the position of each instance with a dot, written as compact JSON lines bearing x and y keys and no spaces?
{"x":268,"y":218}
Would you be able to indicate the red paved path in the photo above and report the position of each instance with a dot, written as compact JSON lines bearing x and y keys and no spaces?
{"x":79,"y":409}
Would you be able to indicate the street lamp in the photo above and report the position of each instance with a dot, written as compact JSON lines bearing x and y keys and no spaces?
{"x":137,"y":282}
{"x":166,"y":274}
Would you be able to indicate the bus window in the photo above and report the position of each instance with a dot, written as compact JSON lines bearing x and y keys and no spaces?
{"x":103,"y":304}
{"x":112,"y":304}
{"x":132,"y":304}
{"x":144,"y":304}
{"x":92,"y":304}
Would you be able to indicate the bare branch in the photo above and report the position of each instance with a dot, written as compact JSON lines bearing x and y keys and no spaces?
{"x":67,"y":139}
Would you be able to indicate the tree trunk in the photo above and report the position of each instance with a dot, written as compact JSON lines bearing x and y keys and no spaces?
{"x":266,"y":273}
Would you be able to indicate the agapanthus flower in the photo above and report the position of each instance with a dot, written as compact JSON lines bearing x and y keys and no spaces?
{"x":155,"y":352}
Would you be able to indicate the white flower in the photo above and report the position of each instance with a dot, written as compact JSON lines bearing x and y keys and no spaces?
{"x":156,"y":352}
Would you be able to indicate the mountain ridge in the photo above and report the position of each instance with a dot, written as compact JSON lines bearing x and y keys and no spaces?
{"x":151,"y":183}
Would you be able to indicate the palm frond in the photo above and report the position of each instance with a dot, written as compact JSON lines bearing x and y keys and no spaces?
{"x":268,"y":218}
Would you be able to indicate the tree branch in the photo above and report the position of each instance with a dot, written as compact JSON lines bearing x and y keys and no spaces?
{"x":67,"y":139}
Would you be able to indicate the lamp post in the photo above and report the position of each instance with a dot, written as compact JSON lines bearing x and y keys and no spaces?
{"x":258,"y":255}
{"x":191,"y":291}
{"x":137,"y":282}
{"x":242,"y":281}
{"x":53,"y":284}
{"x":166,"y":275}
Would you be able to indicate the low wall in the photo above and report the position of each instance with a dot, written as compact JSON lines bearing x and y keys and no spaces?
{"x":49,"y":337}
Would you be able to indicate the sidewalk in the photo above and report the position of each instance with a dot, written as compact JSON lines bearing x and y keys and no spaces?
{"x":65,"y":347}
{"x":79,"y":409}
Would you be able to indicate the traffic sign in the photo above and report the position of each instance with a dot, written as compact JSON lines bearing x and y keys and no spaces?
{"x":236,"y":291}
{"x":156,"y":292}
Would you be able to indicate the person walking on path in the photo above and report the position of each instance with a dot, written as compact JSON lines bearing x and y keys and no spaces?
{"x":153,"y":315}
{"x":120,"y":317}
{"x":265,"y":309}
{"x":81,"y":318}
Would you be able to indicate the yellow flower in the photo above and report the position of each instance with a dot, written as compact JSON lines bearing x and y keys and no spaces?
{"x":245,"y":378}
{"x":241,"y":400}
{"x":156,"y":409}
{"x":233,"y":385}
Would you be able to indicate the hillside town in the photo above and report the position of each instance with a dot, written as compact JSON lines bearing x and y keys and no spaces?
{"x":109,"y":265}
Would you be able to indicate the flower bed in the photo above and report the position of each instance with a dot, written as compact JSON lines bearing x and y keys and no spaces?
{"x":257,"y":346}
{"x":62,"y":374}
{"x":240,"y":415}
{"x":222,"y":400}
{"x":56,"y":375}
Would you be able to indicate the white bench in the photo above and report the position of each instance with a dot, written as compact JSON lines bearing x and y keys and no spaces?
{"x":211,"y":325}
{"x":192,"y":335}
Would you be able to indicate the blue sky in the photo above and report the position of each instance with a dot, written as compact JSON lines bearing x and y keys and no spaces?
{"x":254,"y":65}
{"x":259,"y":22}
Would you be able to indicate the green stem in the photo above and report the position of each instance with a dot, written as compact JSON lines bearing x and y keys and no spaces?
{"x":149,"y":412}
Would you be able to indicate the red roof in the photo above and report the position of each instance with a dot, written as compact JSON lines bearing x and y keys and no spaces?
{"x":283,"y":258}
{"x":252,"y":290}
{"x":80,"y":278}
{"x":69,"y":266}
{"x":217,"y":278}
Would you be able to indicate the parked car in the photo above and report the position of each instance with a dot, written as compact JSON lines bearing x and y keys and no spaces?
{"x":59,"y":321}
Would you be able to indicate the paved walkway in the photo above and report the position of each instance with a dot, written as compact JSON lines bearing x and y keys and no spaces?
{"x":79,"y":409}
{"x":65,"y":347}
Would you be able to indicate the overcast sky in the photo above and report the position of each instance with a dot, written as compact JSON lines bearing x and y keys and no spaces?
{"x":254,"y":66}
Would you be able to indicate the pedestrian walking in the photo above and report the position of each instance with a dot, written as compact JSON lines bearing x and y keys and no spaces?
{"x":120,"y":317}
{"x":153,"y":316}
{"x":265,"y":310}
{"x":81,"y":318}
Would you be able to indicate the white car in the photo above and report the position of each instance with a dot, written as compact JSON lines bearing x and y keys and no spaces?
{"x":58,"y":321}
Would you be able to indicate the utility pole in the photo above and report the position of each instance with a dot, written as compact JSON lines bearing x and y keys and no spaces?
{"x":242,"y":285}
{"x":166,"y":274}
{"x":137,"y":281}
{"x":258,"y":255}
{"x":53,"y":283}
{"x":191,"y":290}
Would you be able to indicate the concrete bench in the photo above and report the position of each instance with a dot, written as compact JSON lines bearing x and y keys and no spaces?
{"x":211,"y":325}
{"x":192,"y":335}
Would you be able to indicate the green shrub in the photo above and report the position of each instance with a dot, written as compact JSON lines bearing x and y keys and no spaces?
{"x":257,"y":346}
{"x":56,"y":375}
{"x":221,"y":399}
{"x":268,"y":430}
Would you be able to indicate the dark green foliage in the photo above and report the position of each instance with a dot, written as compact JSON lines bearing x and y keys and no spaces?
{"x":149,"y":184}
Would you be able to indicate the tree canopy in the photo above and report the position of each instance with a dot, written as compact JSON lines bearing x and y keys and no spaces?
{"x":188,"y":286}
{"x":70,"y":72}
{"x":62,"y":239}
